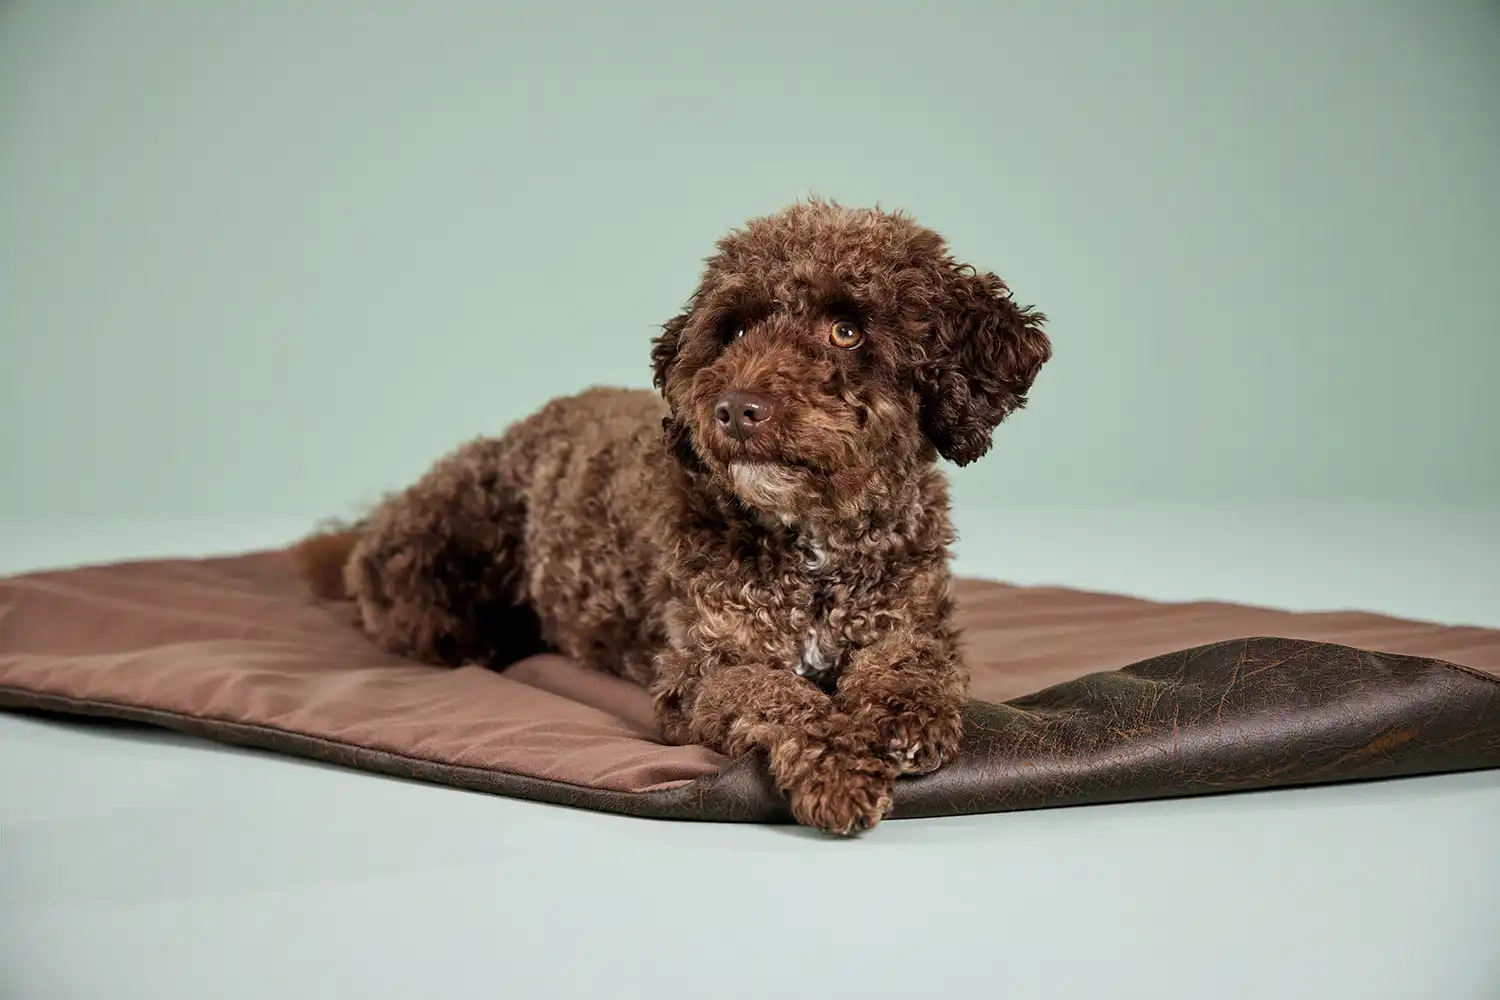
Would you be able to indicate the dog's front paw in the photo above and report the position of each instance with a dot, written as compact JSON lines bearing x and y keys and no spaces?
{"x":920,"y":742}
{"x":844,"y":794}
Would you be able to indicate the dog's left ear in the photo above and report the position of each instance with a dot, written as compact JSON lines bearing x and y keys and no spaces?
{"x":985,"y":351}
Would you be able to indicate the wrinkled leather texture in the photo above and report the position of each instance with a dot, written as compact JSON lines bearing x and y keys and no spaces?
{"x":225,"y":649}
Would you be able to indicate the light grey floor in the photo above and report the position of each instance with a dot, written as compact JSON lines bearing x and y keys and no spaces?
{"x":141,"y":864}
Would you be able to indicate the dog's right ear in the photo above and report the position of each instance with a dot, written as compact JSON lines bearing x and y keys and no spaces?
{"x":665,"y":347}
{"x":679,"y":443}
{"x":664,"y":353}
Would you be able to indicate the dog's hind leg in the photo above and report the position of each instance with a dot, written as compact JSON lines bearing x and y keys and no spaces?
{"x":437,"y":570}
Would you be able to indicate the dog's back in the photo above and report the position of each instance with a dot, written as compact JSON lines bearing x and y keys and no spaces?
{"x":563,"y":513}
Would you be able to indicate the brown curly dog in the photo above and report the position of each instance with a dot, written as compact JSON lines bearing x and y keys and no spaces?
{"x":765,"y":545}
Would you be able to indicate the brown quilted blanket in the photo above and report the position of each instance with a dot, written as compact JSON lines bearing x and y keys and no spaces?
{"x":1080,"y":697}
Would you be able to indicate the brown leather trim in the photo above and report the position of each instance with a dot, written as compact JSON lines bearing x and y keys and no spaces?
{"x":1229,"y":716}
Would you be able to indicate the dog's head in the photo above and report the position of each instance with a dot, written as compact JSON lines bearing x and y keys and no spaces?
{"x":829,"y":353}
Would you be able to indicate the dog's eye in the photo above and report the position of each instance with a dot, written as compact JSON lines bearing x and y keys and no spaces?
{"x":739,"y":333}
{"x":845,"y":334}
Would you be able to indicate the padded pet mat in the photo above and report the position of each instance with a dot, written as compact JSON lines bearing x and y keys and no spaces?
{"x":1080,"y":697}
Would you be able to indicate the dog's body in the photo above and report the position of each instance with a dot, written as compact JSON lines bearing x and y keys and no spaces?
{"x":764,"y":545}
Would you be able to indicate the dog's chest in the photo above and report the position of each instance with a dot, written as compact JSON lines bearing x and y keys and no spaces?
{"x":821,"y":653}
{"x":807,"y":611}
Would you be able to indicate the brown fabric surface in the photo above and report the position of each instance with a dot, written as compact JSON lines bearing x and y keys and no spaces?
{"x":1079,"y":697}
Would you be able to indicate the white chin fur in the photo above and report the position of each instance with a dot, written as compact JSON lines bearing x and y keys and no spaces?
{"x":769,"y":487}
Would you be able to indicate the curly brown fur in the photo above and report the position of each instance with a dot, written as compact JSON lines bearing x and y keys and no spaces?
{"x":780,"y":586}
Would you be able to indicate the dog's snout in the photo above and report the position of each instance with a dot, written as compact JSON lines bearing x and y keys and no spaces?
{"x":741,"y":413}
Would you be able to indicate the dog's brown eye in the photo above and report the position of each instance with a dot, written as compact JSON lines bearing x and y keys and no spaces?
{"x":845,"y":334}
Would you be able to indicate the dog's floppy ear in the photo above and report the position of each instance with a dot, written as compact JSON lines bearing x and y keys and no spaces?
{"x":983,"y":355}
{"x":665,"y":347}
{"x":664,"y":351}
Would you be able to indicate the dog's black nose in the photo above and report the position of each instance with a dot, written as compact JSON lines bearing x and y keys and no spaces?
{"x":740,"y":413}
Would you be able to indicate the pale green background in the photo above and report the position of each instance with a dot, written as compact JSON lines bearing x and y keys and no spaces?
{"x":261,"y":260}
{"x":270,"y":257}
